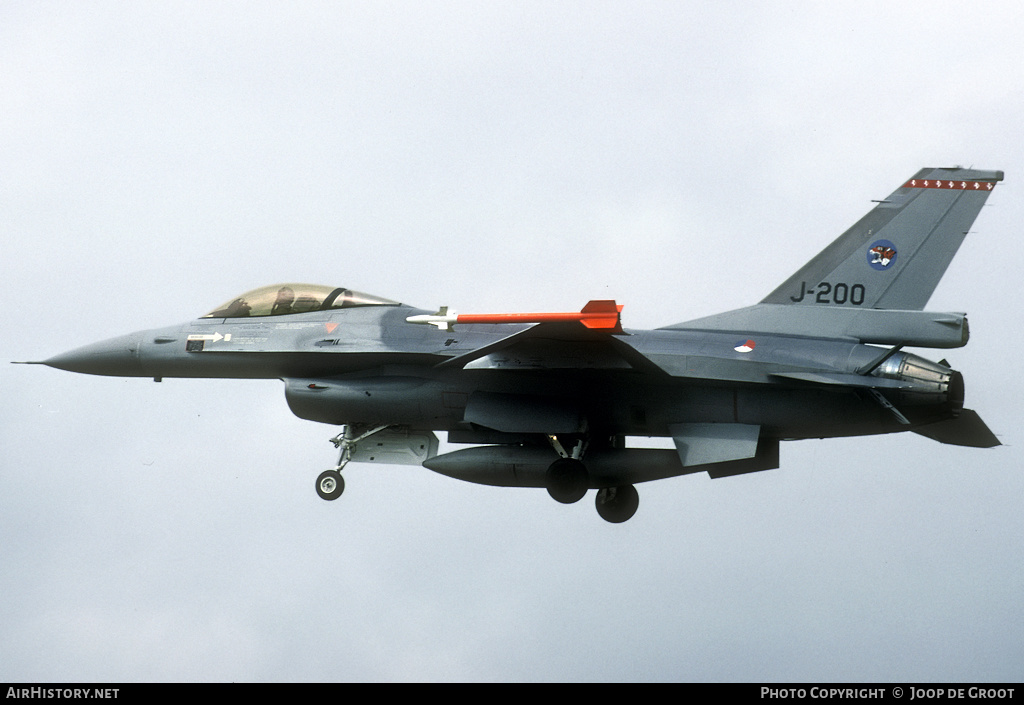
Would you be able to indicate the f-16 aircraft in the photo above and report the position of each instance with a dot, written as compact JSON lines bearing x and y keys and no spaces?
{"x":550,"y":400}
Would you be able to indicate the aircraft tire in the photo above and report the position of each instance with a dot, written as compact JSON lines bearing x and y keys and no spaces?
{"x":567,"y":480}
{"x":330,"y":485}
{"x":617,"y":504}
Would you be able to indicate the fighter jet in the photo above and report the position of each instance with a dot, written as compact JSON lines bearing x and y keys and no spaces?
{"x":554,"y":400}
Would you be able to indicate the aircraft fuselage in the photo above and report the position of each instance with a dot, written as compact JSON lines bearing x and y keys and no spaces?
{"x":367,"y":365}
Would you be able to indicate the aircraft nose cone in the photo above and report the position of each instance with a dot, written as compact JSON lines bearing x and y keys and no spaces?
{"x":116,"y":356}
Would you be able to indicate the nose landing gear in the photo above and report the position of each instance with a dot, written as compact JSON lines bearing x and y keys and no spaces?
{"x":330,"y":484}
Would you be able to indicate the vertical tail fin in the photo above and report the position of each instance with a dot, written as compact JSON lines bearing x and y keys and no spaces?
{"x":894,"y":257}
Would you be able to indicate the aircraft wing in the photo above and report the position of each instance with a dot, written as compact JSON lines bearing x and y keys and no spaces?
{"x":589,"y":339}
{"x":554,"y":345}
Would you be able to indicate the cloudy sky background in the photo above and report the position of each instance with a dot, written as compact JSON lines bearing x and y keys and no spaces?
{"x":682,"y":158}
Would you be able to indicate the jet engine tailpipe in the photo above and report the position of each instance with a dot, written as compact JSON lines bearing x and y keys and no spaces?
{"x":933,"y":383}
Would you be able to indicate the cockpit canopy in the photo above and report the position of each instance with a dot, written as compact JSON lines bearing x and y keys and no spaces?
{"x":281,"y":299}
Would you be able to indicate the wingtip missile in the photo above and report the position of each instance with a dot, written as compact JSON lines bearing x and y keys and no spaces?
{"x":599,"y":314}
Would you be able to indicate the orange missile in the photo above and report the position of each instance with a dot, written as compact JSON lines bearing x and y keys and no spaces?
{"x":602,"y":314}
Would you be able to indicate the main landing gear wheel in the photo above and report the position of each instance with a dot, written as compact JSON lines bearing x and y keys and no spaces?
{"x":617,"y":504}
{"x":567,"y":480}
{"x":330,"y":485}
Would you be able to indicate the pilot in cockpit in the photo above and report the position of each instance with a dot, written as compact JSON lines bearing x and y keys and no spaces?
{"x":283,"y":299}
{"x":283,"y":305}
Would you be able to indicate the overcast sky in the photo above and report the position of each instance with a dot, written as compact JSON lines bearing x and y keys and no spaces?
{"x":683,"y":158}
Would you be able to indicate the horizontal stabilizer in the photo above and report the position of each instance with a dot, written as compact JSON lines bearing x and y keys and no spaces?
{"x":845,"y":380}
{"x":966,"y":430}
{"x":922,"y":329}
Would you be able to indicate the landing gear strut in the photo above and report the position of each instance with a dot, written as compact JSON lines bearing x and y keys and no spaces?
{"x":567,"y":481}
{"x":330,"y":484}
{"x":566,"y":478}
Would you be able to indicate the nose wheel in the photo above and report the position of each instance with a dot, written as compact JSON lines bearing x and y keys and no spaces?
{"x":330,"y":485}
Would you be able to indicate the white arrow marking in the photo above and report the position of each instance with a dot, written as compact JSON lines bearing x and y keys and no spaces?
{"x":212,"y":338}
